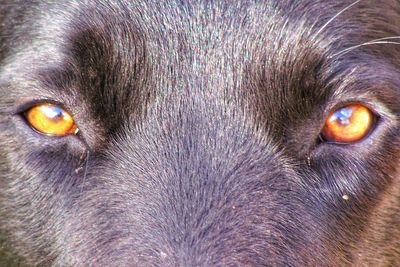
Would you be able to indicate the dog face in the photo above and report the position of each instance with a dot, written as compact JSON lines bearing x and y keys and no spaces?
{"x":205,"y":132}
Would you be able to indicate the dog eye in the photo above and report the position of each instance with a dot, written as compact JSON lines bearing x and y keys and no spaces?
{"x":51,"y":119}
{"x":348,"y":124}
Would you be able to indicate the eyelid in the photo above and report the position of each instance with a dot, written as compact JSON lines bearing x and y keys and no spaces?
{"x":23,"y":107}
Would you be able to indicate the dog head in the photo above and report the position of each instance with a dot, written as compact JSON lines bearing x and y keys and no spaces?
{"x":201,"y":132}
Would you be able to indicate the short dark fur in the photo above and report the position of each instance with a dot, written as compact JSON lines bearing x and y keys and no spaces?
{"x":199,"y":141}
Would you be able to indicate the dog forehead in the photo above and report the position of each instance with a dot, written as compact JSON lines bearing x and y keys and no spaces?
{"x":126,"y":54}
{"x":204,"y":47}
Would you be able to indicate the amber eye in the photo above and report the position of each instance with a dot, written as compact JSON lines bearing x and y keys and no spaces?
{"x":51,"y":119}
{"x":348,"y":124}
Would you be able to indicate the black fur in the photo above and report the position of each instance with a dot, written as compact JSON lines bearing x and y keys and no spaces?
{"x":199,"y":133}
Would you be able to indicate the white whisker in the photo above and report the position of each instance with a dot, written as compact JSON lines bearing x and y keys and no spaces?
{"x":373,"y":42}
{"x":387,"y":38}
{"x":337,"y":15}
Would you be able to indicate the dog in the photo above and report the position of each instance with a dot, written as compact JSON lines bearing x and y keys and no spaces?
{"x":200,"y":133}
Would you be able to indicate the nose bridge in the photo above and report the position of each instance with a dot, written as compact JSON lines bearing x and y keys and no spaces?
{"x":201,"y":119}
{"x":196,"y":170}
{"x":218,"y":191}
{"x":192,"y":184}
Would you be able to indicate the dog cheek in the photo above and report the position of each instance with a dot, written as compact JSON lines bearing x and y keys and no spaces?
{"x":377,"y":244}
{"x":36,"y":188}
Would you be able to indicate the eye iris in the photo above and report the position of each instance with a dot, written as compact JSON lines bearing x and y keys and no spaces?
{"x":348,"y":124}
{"x":51,"y":119}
